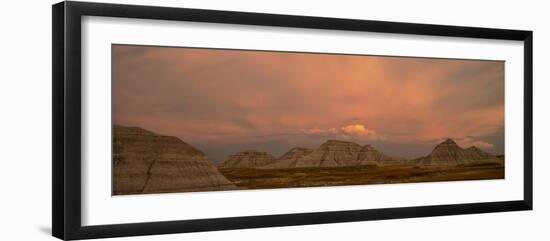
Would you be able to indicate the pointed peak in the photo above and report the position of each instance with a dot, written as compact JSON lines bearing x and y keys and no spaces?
{"x":449,"y":141}
{"x":296,"y":152}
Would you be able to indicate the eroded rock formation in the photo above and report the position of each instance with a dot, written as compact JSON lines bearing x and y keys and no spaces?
{"x":289,"y":159}
{"x":247,"y":159}
{"x":448,"y":153}
{"x":334,"y":153}
{"x":145,"y":162}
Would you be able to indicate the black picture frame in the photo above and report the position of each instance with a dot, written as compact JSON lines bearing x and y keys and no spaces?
{"x":66,"y":75}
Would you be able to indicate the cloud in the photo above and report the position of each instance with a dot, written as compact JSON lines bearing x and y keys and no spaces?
{"x":352,"y":131}
{"x":358,"y":130}
{"x":468,"y":141}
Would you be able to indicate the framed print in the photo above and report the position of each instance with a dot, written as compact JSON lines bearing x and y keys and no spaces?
{"x":165,"y":117}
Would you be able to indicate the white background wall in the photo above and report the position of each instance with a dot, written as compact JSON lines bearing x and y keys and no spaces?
{"x":25,"y":123}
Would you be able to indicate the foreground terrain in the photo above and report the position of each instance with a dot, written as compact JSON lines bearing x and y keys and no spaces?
{"x":356,"y":175}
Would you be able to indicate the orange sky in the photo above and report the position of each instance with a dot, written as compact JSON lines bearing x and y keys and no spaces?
{"x":222,"y":101}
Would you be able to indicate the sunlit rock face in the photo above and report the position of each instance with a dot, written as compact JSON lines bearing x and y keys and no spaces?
{"x":145,"y":162}
{"x":247,"y":159}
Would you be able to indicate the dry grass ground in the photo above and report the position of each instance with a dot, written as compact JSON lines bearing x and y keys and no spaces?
{"x":357,"y":175}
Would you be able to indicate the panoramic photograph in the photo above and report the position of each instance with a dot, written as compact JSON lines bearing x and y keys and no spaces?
{"x":198,"y":119}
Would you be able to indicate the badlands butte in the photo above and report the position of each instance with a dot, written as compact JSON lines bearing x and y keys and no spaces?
{"x":146,"y":162}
